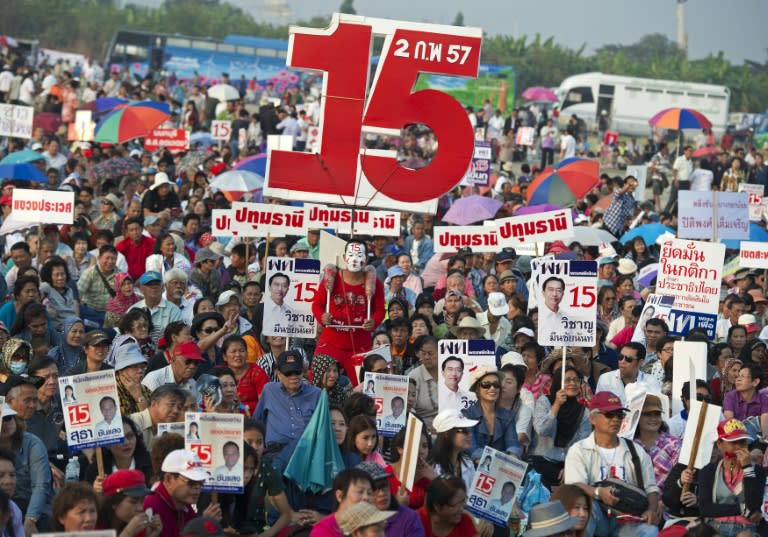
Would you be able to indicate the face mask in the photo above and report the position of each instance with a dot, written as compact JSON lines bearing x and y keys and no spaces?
{"x":18,"y":368}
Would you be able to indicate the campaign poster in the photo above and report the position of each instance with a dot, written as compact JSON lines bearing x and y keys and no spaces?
{"x":753,"y":255}
{"x":175,"y":428}
{"x":218,"y":440}
{"x":449,"y":239}
{"x":691,"y":272}
{"x":390,"y":394}
{"x":566,"y":294}
{"x":91,"y":410}
{"x":641,"y":174}
{"x":479,"y":173}
{"x":713,"y":215}
{"x":251,"y":219}
{"x":353,"y":221}
{"x":290,"y":289}
{"x":51,"y":207}
{"x":755,"y":199}
{"x":16,"y":120}
{"x":495,"y":486}
{"x":632,"y":418}
{"x":539,"y":227}
{"x":457,"y":359}
{"x":655,"y":307}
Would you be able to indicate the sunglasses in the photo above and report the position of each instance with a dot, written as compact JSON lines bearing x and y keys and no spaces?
{"x":209,"y":330}
{"x":628,"y":359}
{"x":292,"y":373}
{"x":615,"y":414}
{"x":489,"y":385}
{"x":703,"y":397}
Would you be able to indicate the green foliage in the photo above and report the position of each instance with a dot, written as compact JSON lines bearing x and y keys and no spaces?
{"x":458,"y":20}
{"x":87,"y":26}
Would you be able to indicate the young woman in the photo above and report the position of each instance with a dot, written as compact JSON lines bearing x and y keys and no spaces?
{"x":250,"y":377}
{"x":443,"y":512}
{"x":58,"y":292}
{"x":424,"y":472}
{"x":95,"y":347}
{"x":123,"y":508}
{"x":517,"y":399}
{"x":404,"y":521}
{"x":450,"y":455}
{"x":577,"y":503}
{"x":175,"y":333}
{"x":130,"y":455}
{"x":165,"y":256}
{"x":363,"y":439}
{"x":75,"y":508}
{"x":124,"y":298}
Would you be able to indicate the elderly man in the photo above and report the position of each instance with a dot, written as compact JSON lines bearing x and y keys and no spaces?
{"x":181,"y":371}
{"x":285,"y":407}
{"x":229,"y":306}
{"x":177,"y":292}
{"x":96,"y":285}
{"x":160,"y":310}
{"x":204,"y":275}
{"x":494,"y":319}
{"x":166,"y":405}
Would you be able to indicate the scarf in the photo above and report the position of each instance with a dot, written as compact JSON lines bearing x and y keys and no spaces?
{"x":120,"y":303}
{"x":10,"y":348}
{"x":568,"y":417}
{"x":320,"y":366}
{"x":66,"y":355}
{"x":726,"y":386}
{"x":539,"y":386}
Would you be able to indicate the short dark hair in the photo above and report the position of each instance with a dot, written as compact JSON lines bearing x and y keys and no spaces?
{"x":279,"y":275}
{"x":655,"y":321}
{"x":107,"y":249}
{"x":639,"y":347}
{"x":346,"y":477}
{"x":134,"y":220}
{"x":441,"y":490}
{"x":67,"y":499}
{"x":21,"y":245}
{"x":550,"y":279}
{"x":686,"y":391}
{"x":455,"y":359}
{"x":756,"y":372}
{"x":18,"y":286}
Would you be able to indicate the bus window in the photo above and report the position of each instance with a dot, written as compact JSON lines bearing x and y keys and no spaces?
{"x":578,"y":96}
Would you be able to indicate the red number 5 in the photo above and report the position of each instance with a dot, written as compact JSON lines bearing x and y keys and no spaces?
{"x":79,"y":414}
{"x":203,"y":451}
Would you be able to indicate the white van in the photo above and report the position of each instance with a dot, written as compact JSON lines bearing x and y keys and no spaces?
{"x":630,"y":102}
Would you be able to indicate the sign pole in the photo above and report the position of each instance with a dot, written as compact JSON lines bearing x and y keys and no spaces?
{"x":562,"y":369}
{"x":715,"y":215}
{"x":100,"y":462}
{"x":696,"y":440}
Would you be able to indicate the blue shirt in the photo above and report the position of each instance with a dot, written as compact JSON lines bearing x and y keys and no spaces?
{"x":504,"y":436}
{"x":285,"y":416}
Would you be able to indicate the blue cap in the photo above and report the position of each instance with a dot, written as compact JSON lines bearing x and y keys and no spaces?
{"x":394,"y":271}
{"x":149,"y":277}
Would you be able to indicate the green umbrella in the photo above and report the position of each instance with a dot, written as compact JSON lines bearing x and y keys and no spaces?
{"x":20,"y":157}
{"x":317,"y":458}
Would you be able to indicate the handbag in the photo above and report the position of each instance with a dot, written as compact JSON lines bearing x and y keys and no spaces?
{"x":632,"y":499}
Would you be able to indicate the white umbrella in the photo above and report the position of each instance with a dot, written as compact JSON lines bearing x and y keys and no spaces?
{"x":11,"y":225}
{"x":224,"y":92}
{"x":589,"y":236}
{"x":238,"y":181}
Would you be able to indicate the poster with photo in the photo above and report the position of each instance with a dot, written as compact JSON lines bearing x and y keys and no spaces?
{"x":635,"y":404}
{"x":495,"y":486}
{"x":655,"y":307}
{"x":165,"y":428}
{"x":457,"y":358}
{"x":390,"y":394}
{"x":218,"y":440}
{"x":91,"y":410}
{"x":291,"y":285}
{"x":566,"y":294}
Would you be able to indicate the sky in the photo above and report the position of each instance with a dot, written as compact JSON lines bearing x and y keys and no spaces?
{"x":736,"y":27}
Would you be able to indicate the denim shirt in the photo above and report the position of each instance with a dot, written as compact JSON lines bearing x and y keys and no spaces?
{"x":504,"y":432}
{"x":33,"y":477}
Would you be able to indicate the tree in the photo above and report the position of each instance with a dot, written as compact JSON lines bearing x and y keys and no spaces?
{"x":347,"y":6}
{"x":458,"y":20}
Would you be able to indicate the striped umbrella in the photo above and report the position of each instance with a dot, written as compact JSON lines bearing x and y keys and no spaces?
{"x":680,"y":118}
{"x":130,"y":121}
{"x":565,"y":183}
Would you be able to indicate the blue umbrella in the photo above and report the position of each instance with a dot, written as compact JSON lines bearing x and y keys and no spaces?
{"x":202,"y":138}
{"x":756,"y":233}
{"x":255,"y":163}
{"x":22,"y":171}
{"x":317,"y":458}
{"x":648,"y":232}
{"x":18,"y":157}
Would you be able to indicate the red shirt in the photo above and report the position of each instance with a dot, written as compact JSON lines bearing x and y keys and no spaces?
{"x":250,"y":386}
{"x":136,"y":254}
{"x":173,"y":520}
{"x":465,"y":528}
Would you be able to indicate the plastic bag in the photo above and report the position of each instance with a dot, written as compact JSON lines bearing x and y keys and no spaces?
{"x":532,"y":492}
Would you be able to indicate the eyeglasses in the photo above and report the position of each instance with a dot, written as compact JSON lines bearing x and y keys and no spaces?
{"x":489,"y":385}
{"x":209,"y":330}
{"x":628,"y":359}
{"x":615,"y":414}
{"x":461,"y":430}
{"x":703,"y":397}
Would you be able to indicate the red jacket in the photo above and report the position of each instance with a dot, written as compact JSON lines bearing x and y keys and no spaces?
{"x":136,"y":254}
{"x":173,"y":520}
{"x":250,"y":386}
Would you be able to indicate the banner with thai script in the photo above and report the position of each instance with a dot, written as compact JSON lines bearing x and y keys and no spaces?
{"x":218,"y":440}
{"x":91,"y":410}
{"x":566,"y":295}
{"x":262,"y":219}
{"x":167,"y":428}
{"x":175,"y":140}
{"x":479,"y":173}
{"x":46,"y":206}
{"x":698,"y":212}
{"x":290,"y":288}
{"x":16,"y":120}
{"x":221,"y":223}
{"x":753,"y":255}
{"x":457,"y":359}
{"x":353,"y":221}
{"x":479,"y":238}
{"x":540,"y":227}
{"x":390,"y":395}
{"x":691,"y":272}
{"x":495,"y":486}
{"x":655,"y":307}
{"x":680,"y":322}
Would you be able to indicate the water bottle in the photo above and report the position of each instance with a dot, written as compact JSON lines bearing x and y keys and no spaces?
{"x":72,"y":473}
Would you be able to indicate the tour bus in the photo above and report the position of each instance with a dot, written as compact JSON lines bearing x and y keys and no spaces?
{"x":630,"y":102}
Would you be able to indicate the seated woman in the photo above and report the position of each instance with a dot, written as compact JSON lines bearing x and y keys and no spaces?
{"x":577,"y":503}
{"x":404,"y":521}
{"x":731,"y":489}
{"x":350,"y":486}
{"x":122,"y":509}
{"x":424,"y":472}
{"x":450,"y":454}
{"x":653,"y":435}
{"x":443,"y":512}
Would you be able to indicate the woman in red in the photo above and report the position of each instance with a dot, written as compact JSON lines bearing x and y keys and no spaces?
{"x":250,"y":377}
{"x":443,"y":512}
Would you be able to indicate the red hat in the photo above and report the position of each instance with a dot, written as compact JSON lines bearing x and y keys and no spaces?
{"x":558,"y":247}
{"x":128,"y":482}
{"x":189,"y":350}
{"x":732,"y":430}
{"x":6,"y":200}
{"x":606,"y":402}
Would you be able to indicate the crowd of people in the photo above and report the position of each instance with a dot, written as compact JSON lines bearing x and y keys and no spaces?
{"x":138,"y":284}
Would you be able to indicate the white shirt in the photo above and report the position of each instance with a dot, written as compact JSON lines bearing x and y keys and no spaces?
{"x":459,"y":399}
{"x":550,"y":322}
{"x":158,"y":377}
{"x":391,"y":421}
{"x":122,"y":262}
{"x":721,"y":329}
{"x":568,"y":145}
{"x":701,"y":180}
{"x":27,"y":91}
{"x":611,"y":382}
{"x":683,"y":167}
{"x":503,"y":329}
{"x":5,"y":81}
{"x":104,"y":429}
{"x":229,"y":476}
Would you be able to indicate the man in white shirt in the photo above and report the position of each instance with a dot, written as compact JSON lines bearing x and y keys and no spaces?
{"x":494,"y":319}
{"x":231,"y":472}
{"x":450,"y":395}
{"x":276,"y":311}
{"x":397,"y":418}
{"x":181,"y":371}
{"x":550,"y":314}
{"x":631,"y":358}
{"x":27,"y":90}
{"x":567,"y":144}
{"x":110,"y":426}
{"x":5,"y":81}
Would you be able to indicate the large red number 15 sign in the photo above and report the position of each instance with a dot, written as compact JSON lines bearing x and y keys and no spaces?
{"x":375,"y":178}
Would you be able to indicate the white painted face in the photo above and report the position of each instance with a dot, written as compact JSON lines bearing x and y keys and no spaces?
{"x":354,"y":256}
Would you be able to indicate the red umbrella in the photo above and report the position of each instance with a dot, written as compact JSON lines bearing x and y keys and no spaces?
{"x":130,"y":121}
{"x":706,"y":152}
{"x":680,"y":118}
{"x":565,"y":183}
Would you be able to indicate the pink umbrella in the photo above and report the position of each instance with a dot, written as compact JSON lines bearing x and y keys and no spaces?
{"x":539,"y":93}
{"x":471,"y":209}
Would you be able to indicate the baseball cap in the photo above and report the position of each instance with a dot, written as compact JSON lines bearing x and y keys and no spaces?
{"x":176,"y":226}
{"x":290,"y":361}
{"x":189,"y":350}
{"x":606,"y":261}
{"x":184,"y":462}
{"x":37,"y":146}
{"x":360,"y":515}
{"x":606,"y":402}
{"x":150,"y":220}
{"x":149,"y":277}
{"x":451,"y":418}
{"x":95,"y":337}
{"x":127,"y":355}
{"x":226,"y":296}
{"x":203,"y":526}
{"x":513,"y":358}
{"x":506,"y":275}
{"x":375,"y":470}
{"x":506,"y":254}
{"x":497,"y":304}
{"x":524,"y":331}
{"x":749,"y":321}
{"x":558,"y":247}
{"x":299,"y":247}
{"x":127,"y":482}
{"x":393,"y":272}
{"x":732,"y":430}
{"x":19,"y":380}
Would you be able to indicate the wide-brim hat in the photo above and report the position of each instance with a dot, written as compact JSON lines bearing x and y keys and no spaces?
{"x":470,"y":322}
{"x":481,"y":372}
{"x":549,"y":518}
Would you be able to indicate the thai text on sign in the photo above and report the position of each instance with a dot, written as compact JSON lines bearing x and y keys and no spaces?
{"x":49,"y":206}
{"x":390,"y":397}
{"x":175,"y":140}
{"x":713,"y":215}
{"x":691,"y":272}
{"x":495,"y":485}
{"x":16,"y":120}
{"x":547,"y":226}
{"x":753,"y":255}
{"x":217,"y":439}
{"x":291,"y":285}
{"x":353,"y":221}
{"x":91,"y":410}
{"x":479,"y":238}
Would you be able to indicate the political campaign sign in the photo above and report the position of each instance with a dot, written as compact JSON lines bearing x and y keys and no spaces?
{"x":457,"y":359}
{"x":390,"y":395}
{"x":217,"y":439}
{"x":91,"y":410}
{"x":291,"y":285}
{"x":495,"y":485}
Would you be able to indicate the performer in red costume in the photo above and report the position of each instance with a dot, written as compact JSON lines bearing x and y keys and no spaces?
{"x":350,"y":309}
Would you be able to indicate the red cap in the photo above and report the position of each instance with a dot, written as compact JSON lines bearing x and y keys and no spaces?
{"x":732,"y":430}
{"x":128,"y":482}
{"x":6,"y":200}
{"x":558,"y":247}
{"x":606,"y":402}
{"x":189,"y":350}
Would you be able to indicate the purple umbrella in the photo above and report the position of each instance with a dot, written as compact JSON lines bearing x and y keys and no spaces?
{"x":472,"y":209}
{"x":535,"y":209}
{"x":647,"y":274}
{"x":541,"y":94}
{"x":256,"y":164}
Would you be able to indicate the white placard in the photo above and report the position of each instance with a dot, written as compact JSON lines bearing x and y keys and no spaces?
{"x":709,"y":429}
{"x":332,"y":250}
{"x":175,"y":428}
{"x":16,"y":120}
{"x":753,"y":255}
{"x":43,"y":206}
{"x":411,"y":450}
{"x":390,"y":395}
{"x":529,"y":228}
{"x":221,"y":223}
{"x":262,"y":219}
{"x":449,"y":239}
{"x":353,"y":221}
{"x":221,"y":129}
{"x":696,"y":215}
{"x":290,"y":288}
{"x":84,"y":125}
{"x":566,"y":294}
{"x":462,"y":357}
{"x":495,"y":486}
{"x":687,"y":353}
{"x":655,"y":307}
{"x":635,"y":404}
{"x":91,"y":410}
{"x":691,"y":272}
{"x":217,"y":439}
{"x":641,"y":174}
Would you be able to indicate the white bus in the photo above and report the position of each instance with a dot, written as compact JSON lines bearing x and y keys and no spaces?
{"x":630,"y":102}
